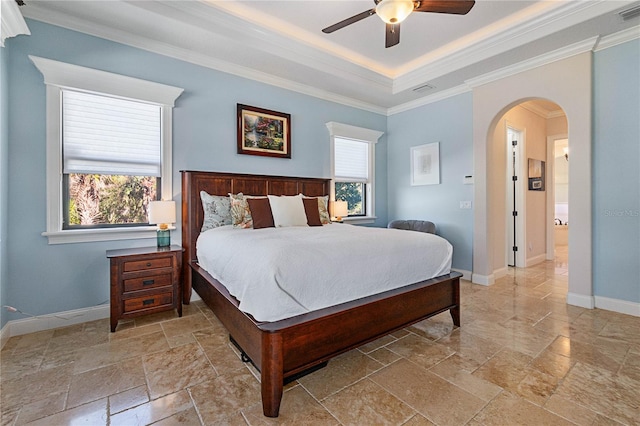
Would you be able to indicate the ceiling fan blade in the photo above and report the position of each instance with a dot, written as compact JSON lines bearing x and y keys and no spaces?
{"x":349,"y":21}
{"x":456,"y":7}
{"x":392,"y":33}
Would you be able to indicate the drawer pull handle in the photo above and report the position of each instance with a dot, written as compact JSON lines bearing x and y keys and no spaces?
{"x":148,"y":282}
{"x":148,"y":263}
{"x":147,"y":302}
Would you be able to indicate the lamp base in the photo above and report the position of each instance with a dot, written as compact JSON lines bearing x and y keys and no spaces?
{"x":164,"y":237}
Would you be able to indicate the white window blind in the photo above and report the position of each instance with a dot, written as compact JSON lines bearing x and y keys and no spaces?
{"x":112,"y":136}
{"x":351,"y":160}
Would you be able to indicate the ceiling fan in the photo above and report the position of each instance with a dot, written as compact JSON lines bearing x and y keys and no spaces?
{"x":392,"y":12}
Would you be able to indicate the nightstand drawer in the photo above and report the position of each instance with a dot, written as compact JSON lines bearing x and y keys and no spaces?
{"x":151,"y":281}
{"x":140,"y":265}
{"x":146,"y":302}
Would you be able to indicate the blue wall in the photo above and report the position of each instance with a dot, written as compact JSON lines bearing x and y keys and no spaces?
{"x":4,"y":173}
{"x":46,"y":278}
{"x":616,"y":172}
{"x":449,"y":122}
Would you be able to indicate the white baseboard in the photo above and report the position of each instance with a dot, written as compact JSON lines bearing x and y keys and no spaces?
{"x":483,"y":279}
{"x":55,"y":320}
{"x":617,"y":305}
{"x":466,"y":275}
{"x":535,"y":260}
{"x":5,"y":334}
{"x":580,"y":300}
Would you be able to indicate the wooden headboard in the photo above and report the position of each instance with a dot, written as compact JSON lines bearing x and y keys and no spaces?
{"x":217,"y":183}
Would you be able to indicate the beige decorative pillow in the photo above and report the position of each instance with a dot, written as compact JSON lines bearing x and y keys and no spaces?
{"x":240,"y":212}
{"x":323,"y":209}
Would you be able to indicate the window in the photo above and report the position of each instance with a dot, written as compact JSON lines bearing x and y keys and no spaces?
{"x":108,"y":152}
{"x":353,"y":171}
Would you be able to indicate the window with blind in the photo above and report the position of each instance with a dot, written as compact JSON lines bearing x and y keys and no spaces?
{"x":109,"y":140}
{"x":111,"y":160}
{"x":353,"y":171}
{"x":351,"y":174}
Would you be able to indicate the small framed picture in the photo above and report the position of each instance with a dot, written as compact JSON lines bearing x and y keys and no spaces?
{"x":263,"y":132}
{"x":425,"y":164}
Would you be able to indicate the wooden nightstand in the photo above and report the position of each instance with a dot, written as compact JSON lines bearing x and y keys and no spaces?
{"x":145,"y":281}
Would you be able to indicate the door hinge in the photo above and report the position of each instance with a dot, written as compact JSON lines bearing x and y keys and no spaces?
{"x":515,"y":248}
{"x":514,"y":143}
{"x":514,"y":178}
{"x":515,"y":213}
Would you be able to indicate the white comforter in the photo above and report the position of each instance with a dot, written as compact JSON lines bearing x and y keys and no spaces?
{"x":278,"y":273}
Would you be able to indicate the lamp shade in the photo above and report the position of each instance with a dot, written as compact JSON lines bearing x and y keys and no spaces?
{"x":394,"y":11}
{"x":340,"y":208}
{"x":162,"y":212}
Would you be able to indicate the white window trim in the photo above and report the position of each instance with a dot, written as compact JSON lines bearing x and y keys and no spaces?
{"x":59,"y":76}
{"x":347,"y":131}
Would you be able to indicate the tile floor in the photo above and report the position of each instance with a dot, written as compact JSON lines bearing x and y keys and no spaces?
{"x":522,"y":356}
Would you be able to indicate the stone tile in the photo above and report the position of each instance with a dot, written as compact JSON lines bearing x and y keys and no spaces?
{"x":446,"y":403}
{"x":105,"y":381}
{"x":377,"y":344}
{"x":435,"y":327}
{"x":94,"y":413}
{"x":508,"y":409}
{"x":156,"y":318}
{"x":128,"y":399}
{"x":187,"y":417}
{"x":155,"y":410}
{"x":218,"y":350}
{"x":31,"y":342}
{"x":297,"y":408}
{"x":77,"y":337}
{"x":419,"y":420}
{"x":506,"y":369}
{"x":186,"y":324}
{"x":178,"y":368}
{"x":34,"y":387}
{"x":119,"y":350}
{"x":450,"y":370}
{"x":631,"y":366}
{"x":21,"y":364}
{"x":134,"y":331}
{"x":339,"y":373}
{"x":420,"y":350}
{"x":367,"y":403}
{"x":615,"y":396}
{"x":536,"y":386}
{"x":222,"y":398}
{"x":48,"y":406}
{"x":553,"y":364}
{"x":603,"y":354}
{"x":570,"y":410}
{"x":473,"y":349}
{"x":384,"y":356}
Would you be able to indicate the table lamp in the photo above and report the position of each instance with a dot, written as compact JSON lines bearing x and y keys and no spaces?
{"x":162,"y":213}
{"x":340,"y":209}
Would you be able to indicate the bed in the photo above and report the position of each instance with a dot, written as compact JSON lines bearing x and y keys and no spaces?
{"x":282,"y":350}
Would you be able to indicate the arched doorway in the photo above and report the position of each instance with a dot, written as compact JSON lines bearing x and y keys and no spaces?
{"x":568,"y":83}
{"x":522,"y":171}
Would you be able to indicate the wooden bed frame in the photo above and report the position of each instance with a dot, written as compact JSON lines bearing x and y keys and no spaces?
{"x":283,"y":349}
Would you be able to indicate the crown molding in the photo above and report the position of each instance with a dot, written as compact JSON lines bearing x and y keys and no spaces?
{"x":193,"y":57}
{"x":11,"y":21}
{"x":503,"y":36}
{"x":620,"y":37}
{"x":436,"y":97}
{"x":556,"y":55}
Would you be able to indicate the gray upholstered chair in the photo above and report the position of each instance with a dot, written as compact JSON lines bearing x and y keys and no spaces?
{"x":413,"y":225}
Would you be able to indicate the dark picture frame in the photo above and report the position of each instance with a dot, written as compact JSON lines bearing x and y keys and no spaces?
{"x":536,"y":175}
{"x":263,"y":132}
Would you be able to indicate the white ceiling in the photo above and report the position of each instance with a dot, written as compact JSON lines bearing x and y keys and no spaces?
{"x":281,"y":43}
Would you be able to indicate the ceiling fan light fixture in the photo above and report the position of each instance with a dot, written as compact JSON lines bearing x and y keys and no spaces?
{"x":394,"y":11}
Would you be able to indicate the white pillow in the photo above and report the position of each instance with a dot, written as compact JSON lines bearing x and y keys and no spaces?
{"x":287,"y":211}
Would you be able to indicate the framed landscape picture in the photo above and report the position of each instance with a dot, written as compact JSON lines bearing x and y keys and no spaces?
{"x":263,"y":132}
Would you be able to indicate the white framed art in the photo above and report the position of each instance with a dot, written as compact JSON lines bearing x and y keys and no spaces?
{"x":425,"y":164}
